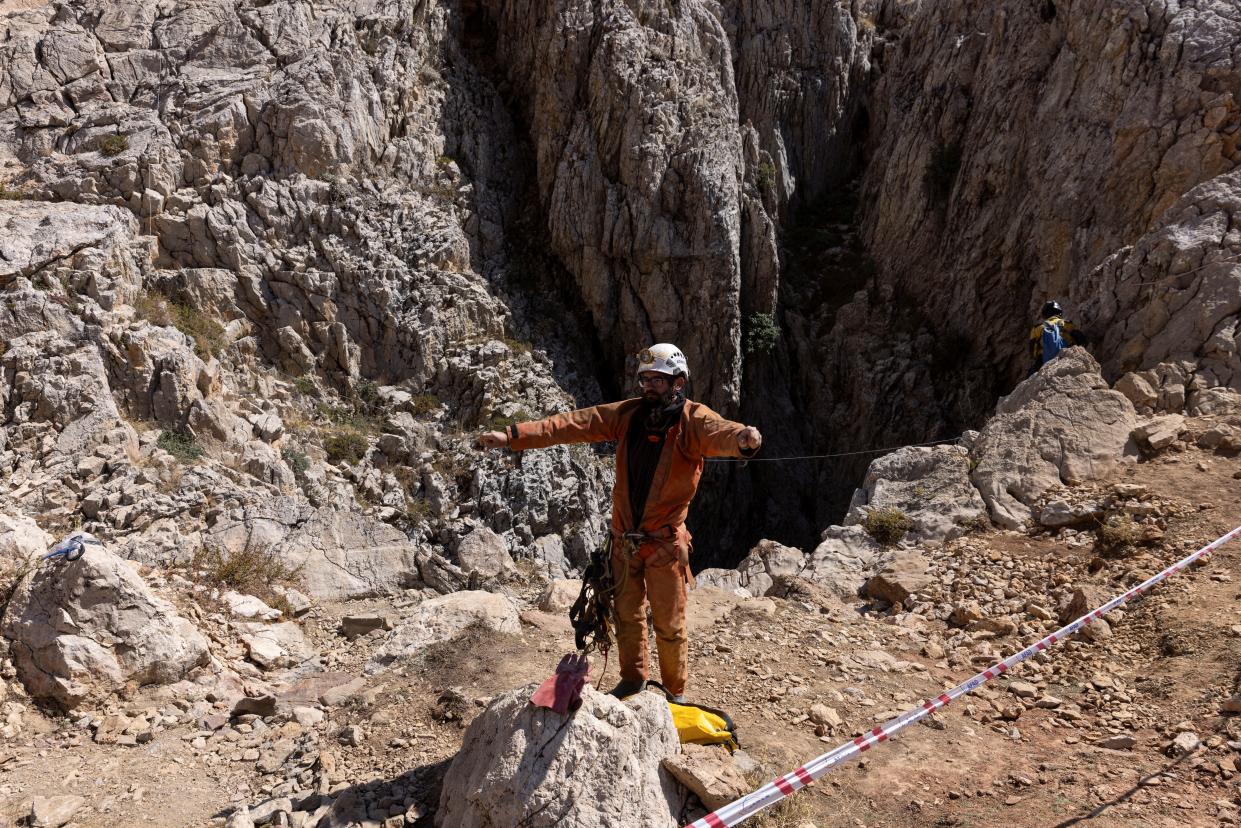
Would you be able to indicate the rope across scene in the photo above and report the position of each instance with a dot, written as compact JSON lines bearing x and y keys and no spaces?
{"x":744,"y":460}
{"x":771,"y":793}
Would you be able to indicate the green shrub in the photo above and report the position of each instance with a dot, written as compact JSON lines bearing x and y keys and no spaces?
{"x":306,"y":386}
{"x":1119,"y":532}
{"x":114,"y":145}
{"x":499,"y":423}
{"x":253,"y":570}
{"x":346,"y":418}
{"x":417,"y":509}
{"x":181,"y":445}
{"x":762,"y":335}
{"x":207,"y":334}
{"x":10,"y":195}
{"x":346,"y":445}
{"x":887,"y":525}
{"x":425,"y":404}
{"x":296,"y":460}
{"x":765,"y":175}
{"x":154,"y":308}
{"x":517,"y":346}
{"x":368,"y":396}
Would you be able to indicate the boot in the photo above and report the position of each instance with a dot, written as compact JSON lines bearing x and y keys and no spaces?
{"x":627,"y":688}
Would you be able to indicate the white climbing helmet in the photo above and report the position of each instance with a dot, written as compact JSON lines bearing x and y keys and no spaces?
{"x":664,"y":358}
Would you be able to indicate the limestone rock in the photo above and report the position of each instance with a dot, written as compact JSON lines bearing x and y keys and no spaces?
{"x":86,"y":627}
{"x":21,"y":539}
{"x":709,"y":772}
{"x":352,"y":626}
{"x":598,"y":768}
{"x":1184,"y":744}
{"x":1063,"y":425}
{"x":337,"y":554}
{"x":845,"y":558}
{"x":559,"y":595}
{"x":272,"y":646}
{"x":929,"y":484}
{"x":54,"y":811}
{"x":1160,"y":432}
{"x":440,"y":619}
{"x":482,"y":553}
{"x":767,"y":561}
{"x":1083,"y":599}
{"x":248,"y":606}
{"x":900,"y":580}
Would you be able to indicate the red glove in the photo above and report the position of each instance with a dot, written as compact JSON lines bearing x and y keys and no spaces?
{"x":563,"y":691}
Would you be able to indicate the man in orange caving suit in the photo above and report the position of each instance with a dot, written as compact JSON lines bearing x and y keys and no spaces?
{"x":661,"y":439}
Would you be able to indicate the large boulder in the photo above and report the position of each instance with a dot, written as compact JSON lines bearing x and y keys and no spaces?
{"x":443,"y":618}
{"x":336,"y":554}
{"x":756,"y":574}
{"x":20,"y":540}
{"x":929,"y":484}
{"x":482,"y":553}
{"x":82,"y":629}
{"x":1061,"y":426}
{"x":842,"y":562}
{"x":845,"y":559}
{"x":597,"y":768}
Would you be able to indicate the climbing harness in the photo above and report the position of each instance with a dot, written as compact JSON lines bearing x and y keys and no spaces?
{"x":73,"y":547}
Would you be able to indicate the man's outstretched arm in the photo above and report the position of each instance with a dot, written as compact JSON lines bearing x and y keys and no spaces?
{"x":714,"y":436}
{"x":585,"y":425}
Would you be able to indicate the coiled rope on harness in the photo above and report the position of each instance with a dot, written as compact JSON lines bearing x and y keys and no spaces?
{"x":593,"y":614}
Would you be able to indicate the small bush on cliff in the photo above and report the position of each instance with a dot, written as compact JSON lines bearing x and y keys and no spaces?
{"x":158,"y":309}
{"x":297,"y":462}
{"x":765,"y":175}
{"x":762,"y":335}
{"x":368,"y":399}
{"x":345,"y":445}
{"x":887,"y":525}
{"x":114,"y":145}
{"x":424,"y":404}
{"x":253,"y":570}
{"x":181,"y":445}
{"x":499,"y":423}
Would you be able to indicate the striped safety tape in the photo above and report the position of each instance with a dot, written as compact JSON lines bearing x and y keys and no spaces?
{"x":771,"y":793}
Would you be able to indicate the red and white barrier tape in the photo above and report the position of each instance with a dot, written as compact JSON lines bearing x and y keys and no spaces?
{"x":771,"y":793}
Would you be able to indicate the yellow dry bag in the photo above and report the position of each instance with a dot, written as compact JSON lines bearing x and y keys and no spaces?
{"x":703,"y":725}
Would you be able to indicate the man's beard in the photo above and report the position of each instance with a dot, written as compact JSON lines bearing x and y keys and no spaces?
{"x":654,"y":399}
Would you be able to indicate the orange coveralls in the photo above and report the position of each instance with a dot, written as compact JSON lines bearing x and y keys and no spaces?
{"x":699,"y":433}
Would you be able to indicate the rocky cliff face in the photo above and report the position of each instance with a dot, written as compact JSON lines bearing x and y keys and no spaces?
{"x":1022,"y":151}
{"x":327,"y":244}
